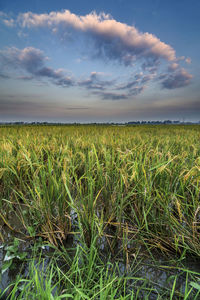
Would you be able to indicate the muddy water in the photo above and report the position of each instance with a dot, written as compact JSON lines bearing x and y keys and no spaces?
{"x":159,"y":273}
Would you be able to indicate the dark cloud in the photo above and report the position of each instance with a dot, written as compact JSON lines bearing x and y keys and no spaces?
{"x":128,"y":85}
{"x":136,"y":91}
{"x":178,"y":79}
{"x":163,"y":76}
{"x":136,"y":86}
{"x":146,"y":78}
{"x":138,"y":76}
{"x":77,"y":108}
{"x":151,"y":65}
{"x":32,"y":61}
{"x":111,"y":95}
{"x":57,"y":76}
{"x":95,"y":82}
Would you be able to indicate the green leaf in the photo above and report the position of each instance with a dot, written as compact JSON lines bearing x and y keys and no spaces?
{"x":8,"y":256}
{"x":66,"y":296}
{"x":31,"y":231}
{"x":21,"y":255}
{"x":195,"y":285}
{"x":6,"y":265}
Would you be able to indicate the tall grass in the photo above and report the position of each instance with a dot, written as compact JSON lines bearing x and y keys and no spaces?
{"x":133,"y":189}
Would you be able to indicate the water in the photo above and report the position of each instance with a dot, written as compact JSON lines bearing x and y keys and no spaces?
{"x":158,"y":273}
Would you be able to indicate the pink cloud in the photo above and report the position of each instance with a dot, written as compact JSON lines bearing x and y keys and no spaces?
{"x":173,"y":67}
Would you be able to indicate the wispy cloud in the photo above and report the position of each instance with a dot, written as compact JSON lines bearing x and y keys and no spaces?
{"x":77,"y":108}
{"x":136,"y":91}
{"x":178,"y":79}
{"x":128,"y":85}
{"x":95,"y":82}
{"x":32,"y":61}
{"x":188,"y":60}
{"x":6,"y":19}
{"x":111,"y":95}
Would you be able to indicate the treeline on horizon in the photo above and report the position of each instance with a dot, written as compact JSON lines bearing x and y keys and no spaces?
{"x":165,"y":122}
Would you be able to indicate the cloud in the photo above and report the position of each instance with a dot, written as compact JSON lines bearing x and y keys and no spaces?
{"x":172,"y":67}
{"x":138,"y":75}
{"x":188,"y":60}
{"x":6,"y":19}
{"x":9,"y":23}
{"x":94,"y":82}
{"x":137,"y":85}
{"x":113,"y":39}
{"x":77,"y":108}
{"x":32,"y":61}
{"x":128,"y":85}
{"x":29,"y":59}
{"x":110,"y":95}
{"x":136,"y":91}
{"x":107,"y":91}
{"x":178,"y":79}
{"x":147,"y":78}
{"x":57,"y":75}
{"x":25,"y":77}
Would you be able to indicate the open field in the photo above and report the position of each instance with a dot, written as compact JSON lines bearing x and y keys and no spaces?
{"x":110,"y":202}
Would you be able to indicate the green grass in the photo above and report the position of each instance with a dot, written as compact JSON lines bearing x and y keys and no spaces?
{"x":116,"y":192}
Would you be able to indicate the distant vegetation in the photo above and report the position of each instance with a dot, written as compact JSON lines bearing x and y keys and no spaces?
{"x":110,"y":200}
{"x":144,"y":122}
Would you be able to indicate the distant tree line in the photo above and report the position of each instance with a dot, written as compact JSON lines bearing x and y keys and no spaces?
{"x":165,"y":122}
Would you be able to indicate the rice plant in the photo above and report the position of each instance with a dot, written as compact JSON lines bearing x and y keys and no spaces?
{"x":125,"y":192}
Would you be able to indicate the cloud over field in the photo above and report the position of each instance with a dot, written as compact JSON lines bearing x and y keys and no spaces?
{"x":95,"y":82}
{"x":178,"y":79}
{"x":113,"y":39}
{"x":32,"y":61}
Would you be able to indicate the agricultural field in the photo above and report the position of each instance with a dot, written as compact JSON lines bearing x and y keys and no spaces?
{"x":100,"y":212}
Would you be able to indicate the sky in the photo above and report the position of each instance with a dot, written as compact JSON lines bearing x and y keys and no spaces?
{"x":99,"y":61}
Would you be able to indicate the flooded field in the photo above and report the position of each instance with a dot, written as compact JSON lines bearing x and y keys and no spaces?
{"x":99,"y":212}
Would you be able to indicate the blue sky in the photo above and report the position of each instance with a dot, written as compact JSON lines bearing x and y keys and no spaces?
{"x":99,"y":61}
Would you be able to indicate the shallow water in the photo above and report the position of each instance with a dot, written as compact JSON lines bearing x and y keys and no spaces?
{"x":160,"y":273}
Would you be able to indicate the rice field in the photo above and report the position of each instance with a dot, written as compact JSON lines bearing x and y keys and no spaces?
{"x":94,"y":212}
